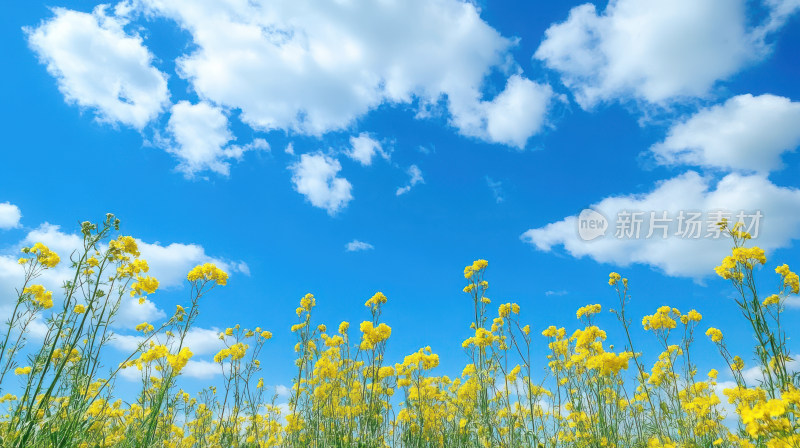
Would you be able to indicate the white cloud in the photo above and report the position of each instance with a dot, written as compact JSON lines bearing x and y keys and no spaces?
{"x":363,"y":148}
{"x":9,"y":215}
{"x":315,"y":177}
{"x":201,"y":341}
{"x":201,"y":136}
{"x":131,"y":313}
{"x":170,"y":263}
{"x":415,"y":178}
{"x":283,"y":391}
{"x":312,"y":70}
{"x":676,"y":255}
{"x":99,"y":66}
{"x":745,"y":133}
{"x":518,"y":112}
{"x":555,"y":293}
{"x":356,"y":246}
{"x":632,"y":49}
{"x":204,"y":341}
{"x":201,"y":369}
{"x":497,"y":189}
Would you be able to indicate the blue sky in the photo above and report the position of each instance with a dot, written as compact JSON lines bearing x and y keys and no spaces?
{"x":269,"y":135}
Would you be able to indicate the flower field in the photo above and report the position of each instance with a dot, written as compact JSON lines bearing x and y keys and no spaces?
{"x":60,"y":391}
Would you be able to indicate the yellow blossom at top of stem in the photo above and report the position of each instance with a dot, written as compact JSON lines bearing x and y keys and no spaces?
{"x":728,"y":269}
{"x":608,"y":363}
{"x":664,"y":318}
{"x":179,"y":360}
{"x":376,"y":300}
{"x":588,"y":310}
{"x":44,"y":255}
{"x":41,"y":296}
{"x":79,"y":309}
{"x":124,"y":245}
{"x":790,"y":279}
{"x":553,"y":332}
{"x":308,"y":302}
{"x":475,"y":267}
{"x":144,"y":327}
{"x":774,"y":299}
{"x":714,"y":334}
{"x":373,"y":335}
{"x":613,"y":278}
{"x":144,"y":285}
{"x":155,"y":352}
{"x":506,"y":309}
{"x":691,"y":316}
{"x":749,"y":255}
{"x":22,"y":370}
{"x":134,"y":267}
{"x":208,"y":272}
{"x":343,"y":327}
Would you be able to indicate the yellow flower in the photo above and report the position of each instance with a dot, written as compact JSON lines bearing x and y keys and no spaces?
{"x":774,"y":299}
{"x":22,"y":370}
{"x":613,"y":278}
{"x":663,"y":319}
{"x":44,"y":255}
{"x":308,"y":302}
{"x":790,"y":279}
{"x":376,"y":300}
{"x":691,"y":316}
{"x":41,"y":296}
{"x":208,"y":272}
{"x":588,"y":310}
{"x":144,"y":285}
{"x":180,"y":360}
{"x":79,"y":309}
{"x":714,"y":334}
{"x":124,"y":245}
{"x":144,"y":327}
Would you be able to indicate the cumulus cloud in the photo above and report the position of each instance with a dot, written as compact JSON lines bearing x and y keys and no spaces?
{"x":202,"y":341}
{"x":632,"y":49}
{"x":170,"y":263}
{"x":201,"y":135}
{"x":317,"y":69}
{"x":679,"y":254}
{"x":132,"y":313}
{"x":201,"y":369}
{"x":363,"y":148}
{"x":746,"y":133}
{"x":101,"y":67}
{"x":9,"y":215}
{"x":518,"y":112}
{"x":357,"y":246}
{"x":315,"y":177}
{"x":415,"y":176}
